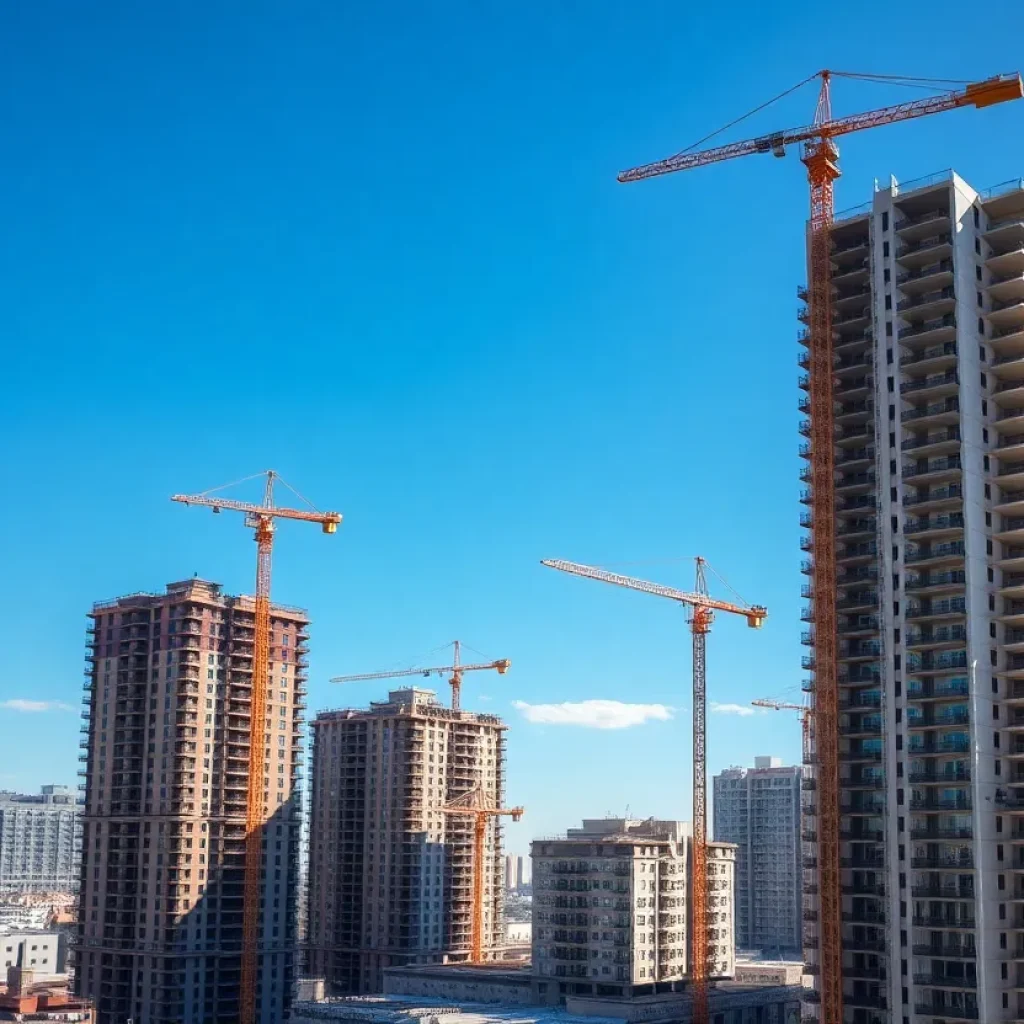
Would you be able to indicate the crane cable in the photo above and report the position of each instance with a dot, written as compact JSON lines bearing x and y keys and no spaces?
{"x":906,"y":80}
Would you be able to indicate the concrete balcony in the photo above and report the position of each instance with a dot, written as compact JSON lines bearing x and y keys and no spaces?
{"x":933,"y":414}
{"x":931,"y":386}
{"x":932,"y":499}
{"x":951,"y":775}
{"x":1012,"y":613}
{"x":946,"y":951}
{"x":855,"y":458}
{"x":937,"y":274}
{"x":1006,"y":314}
{"x":944,"y":608}
{"x":943,"y":862}
{"x":945,"y":1012}
{"x":925,"y":306}
{"x":1006,"y":234}
{"x":919,"y":223}
{"x":951,"y":981}
{"x":932,"y":555}
{"x":943,"y":636}
{"x":938,"y":442}
{"x":1009,"y":502}
{"x":943,"y":922}
{"x":936,"y":582}
{"x":921,"y":252}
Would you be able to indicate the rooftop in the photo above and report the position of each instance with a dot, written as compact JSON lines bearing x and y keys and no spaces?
{"x":400,"y":1010}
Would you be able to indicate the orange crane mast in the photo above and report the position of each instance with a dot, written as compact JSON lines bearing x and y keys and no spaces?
{"x":476,"y":804}
{"x":702,"y":609}
{"x":501,"y":666}
{"x":261,"y":519}
{"x":821,"y":157}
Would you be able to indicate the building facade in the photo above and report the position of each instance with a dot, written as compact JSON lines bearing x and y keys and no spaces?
{"x":611,"y":913}
{"x":928,"y":327}
{"x":390,"y":874}
{"x":166,"y":743}
{"x":40,"y":841}
{"x":758,"y":809}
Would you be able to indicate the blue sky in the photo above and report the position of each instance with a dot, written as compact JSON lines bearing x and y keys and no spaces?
{"x":381,"y":248}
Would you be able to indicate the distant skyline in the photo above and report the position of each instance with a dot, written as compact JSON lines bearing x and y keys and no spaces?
{"x":382,"y":251}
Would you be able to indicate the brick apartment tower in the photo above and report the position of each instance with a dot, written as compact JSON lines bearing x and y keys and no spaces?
{"x":166,"y":745}
{"x":390,"y":875}
{"x":928,"y":282}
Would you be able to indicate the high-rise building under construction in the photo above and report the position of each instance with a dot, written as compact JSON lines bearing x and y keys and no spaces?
{"x":928,"y":327}
{"x":758,"y":809}
{"x":166,"y":748}
{"x":390,"y":874}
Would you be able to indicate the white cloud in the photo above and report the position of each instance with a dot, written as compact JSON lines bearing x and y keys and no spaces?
{"x":593,"y":714}
{"x":732,"y":709}
{"x":34,"y":706}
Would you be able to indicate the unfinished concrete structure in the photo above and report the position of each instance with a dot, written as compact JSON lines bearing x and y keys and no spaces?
{"x":166,"y":745}
{"x":390,"y":875}
{"x":758,"y":809}
{"x":611,"y":907}
{"x":40,"y":840}
{"x":928,"y":282}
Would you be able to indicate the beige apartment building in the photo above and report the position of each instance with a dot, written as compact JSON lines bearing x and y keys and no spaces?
{"x":166,"y":750}
{"x":611,"y":908}
{"x":928,"y":283}
{"x":391,"y":875}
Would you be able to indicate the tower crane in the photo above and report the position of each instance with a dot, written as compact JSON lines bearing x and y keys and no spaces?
{"x":702,"y":610}
{"x":805,"y":714}
{"x":501,"y":666}
{"x":479,"y":806}
{"x":821,"y":157}
{"x":259,"y":518}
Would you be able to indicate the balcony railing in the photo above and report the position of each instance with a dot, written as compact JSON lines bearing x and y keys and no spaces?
{"x":942,"y":635}
{"x":926,"y":609}
{"x":935,"y":380}
{"x":936,"y":551}
{"x":953,"y":521}
{"x":949,"y":951}
{"x":933,"y":466}
{"x":936,"y":579}
{"x":923,"y":300}
{"x":942,"y":238}
{"x":938,"y":267}
{"x":934,"y":494}
{"x":952,"y":1012}
{"x":925,"y":326}
{"x":930,"y":662}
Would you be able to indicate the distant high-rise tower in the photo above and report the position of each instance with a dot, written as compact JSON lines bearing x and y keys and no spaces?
{"x":391,"y":875}
{"x":168,"y":695}
{"x":513,"y":872}
{"x":758,"y":809}
{"x":40,"y":841}
{"x":928,"y":495}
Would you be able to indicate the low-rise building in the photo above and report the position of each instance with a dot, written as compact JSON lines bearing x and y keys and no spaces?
{"x":611,"y":908}
{"x":29,"y":997}
{"x":42,"y":952}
